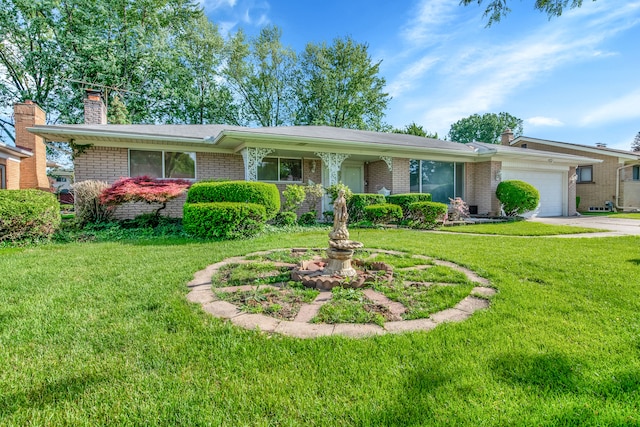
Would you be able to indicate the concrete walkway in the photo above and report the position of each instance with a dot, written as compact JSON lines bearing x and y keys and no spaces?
{"x":613,"y":226}
{"x":201,"y":292}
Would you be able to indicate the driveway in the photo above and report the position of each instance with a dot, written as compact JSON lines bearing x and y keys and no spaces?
{"x":614,"y":226}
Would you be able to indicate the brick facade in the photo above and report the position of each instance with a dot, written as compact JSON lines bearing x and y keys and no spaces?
{"x":378,"y":176}
{"x":400,"y":183}
{"x":33,"y":170}
{"x":95,"y":112}
{"x":603,"y":185}
{"x":481,"y":185}
{"x":11,"y":173}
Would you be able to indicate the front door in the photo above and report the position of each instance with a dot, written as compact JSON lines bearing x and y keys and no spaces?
{"x":352,"y":177}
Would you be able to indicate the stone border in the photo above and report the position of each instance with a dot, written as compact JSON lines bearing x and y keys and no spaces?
{"x":201,"y":293}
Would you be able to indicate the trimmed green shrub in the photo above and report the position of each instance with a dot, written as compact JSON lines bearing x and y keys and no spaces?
{"x":308,"y":218}
{"x":358,"y":201}
{"x":260,"y":193}
{"x":517,"y":197}
{"x":223,"y":220}
{"x":294,"y":196}
{"x":427,"y":214}
{"x":382,"y":213}
{"x":28,"y":214}
{"x":285,"y":218}
{"x":404,"y":200}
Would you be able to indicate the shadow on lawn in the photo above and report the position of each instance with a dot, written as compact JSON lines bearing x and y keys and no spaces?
{"x":50,"y":393}
{"x":635,"y":261}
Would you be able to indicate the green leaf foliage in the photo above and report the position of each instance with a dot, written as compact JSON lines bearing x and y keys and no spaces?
{"x":358,"y":201}
{"x":404,"y":200}
{"x":341,"y":87}
{"x":28,"y":214}
{"x":517,"y":197}
{"x":427,"y":214}
{"x":484,"y":128}
{"x":334,"y":189}
{"x":260,"y":193}
{"x":415,"y":129}
{"x":294,"y":195}
{"x":285,"y":219}
{"x":223,"y":220}
{"x":498,"y":9}
{"x":382,"y":213}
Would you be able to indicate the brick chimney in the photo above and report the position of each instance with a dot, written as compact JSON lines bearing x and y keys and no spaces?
{"x":33,"y":170}
{"x":506,"y":137}
{"x":95,"y":112}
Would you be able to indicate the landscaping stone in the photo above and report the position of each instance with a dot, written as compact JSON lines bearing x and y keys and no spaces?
{"x":450,"y":315}
{"x":256,"y":321}
{"x":471,"y":304}
{"x":304,"y":330}
{"x":357,"y":330}
{"x":201,"y":292}
{"x":410,"y":325}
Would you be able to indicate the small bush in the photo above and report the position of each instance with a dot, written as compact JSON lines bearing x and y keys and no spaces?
{"x":404,"y":200}
{"x":359,"y":201}
{"x":28,"y":214}
{"x":223,"y":220}
{"x":334,"y":189}
{"x":260,"y":193}
{"x":87,"y":202}
{"x":427,"y":214}
{"x":284,"y":219}
{"x":383,"y":213}
{"x":294,"y":196}
{"x":517,"y":197}
{"x":308,"y":218}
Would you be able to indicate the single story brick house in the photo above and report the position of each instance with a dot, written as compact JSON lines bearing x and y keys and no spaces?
{"x":24,"y":165}
{"x":611,"y":181}
{"x":365,"y":161}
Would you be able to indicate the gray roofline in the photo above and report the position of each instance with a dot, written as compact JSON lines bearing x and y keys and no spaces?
{"x":16,"y":151}
{"x":589,"y":149}
{"x":109,"y":133}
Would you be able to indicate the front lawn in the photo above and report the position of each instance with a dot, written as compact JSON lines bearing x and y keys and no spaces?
{"x":520,"y":228}
{"x":102,"y":334}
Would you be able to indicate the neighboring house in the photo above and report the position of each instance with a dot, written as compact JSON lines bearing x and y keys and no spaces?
{"x":24,"y":165}
{"x":612,"y":180}
{"x":61,"y":180}
{"x":365,"y":161}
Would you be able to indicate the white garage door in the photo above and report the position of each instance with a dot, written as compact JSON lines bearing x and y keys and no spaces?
{"x":548,"y":183}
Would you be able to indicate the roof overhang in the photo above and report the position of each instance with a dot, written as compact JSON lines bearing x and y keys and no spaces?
{"x":8,"y":151}
{"x":579,"y":147}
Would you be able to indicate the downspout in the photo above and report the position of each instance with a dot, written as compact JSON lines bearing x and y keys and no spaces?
{"x":618,"y":188}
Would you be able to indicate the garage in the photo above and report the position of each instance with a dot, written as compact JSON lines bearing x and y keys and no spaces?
{"x":549,"y":183}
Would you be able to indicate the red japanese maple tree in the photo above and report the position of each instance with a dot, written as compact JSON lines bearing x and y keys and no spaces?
{"x":144,"y":189}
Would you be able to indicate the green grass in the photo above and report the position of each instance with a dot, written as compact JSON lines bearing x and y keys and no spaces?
{"x":102,"y":334}
{"x":628,"y":215}
{"x":520,"y":228}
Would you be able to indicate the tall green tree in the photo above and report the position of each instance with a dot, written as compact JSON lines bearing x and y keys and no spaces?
{"x":635,"y":145}
{"x":198,"y":93}
{"x":484,"y":128}
{"x":263,"y":74}
{"x":498,"y":9}
{"x":414,"y":129}
{"x":341,"y":86}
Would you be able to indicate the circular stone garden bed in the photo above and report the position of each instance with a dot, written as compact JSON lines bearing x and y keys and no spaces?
{"x":256,"y":292}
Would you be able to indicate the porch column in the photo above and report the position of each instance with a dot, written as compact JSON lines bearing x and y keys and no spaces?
{"x":333,"y":162}
{"x":252,"y":158}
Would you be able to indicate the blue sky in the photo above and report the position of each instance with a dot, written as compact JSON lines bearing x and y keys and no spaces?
{"x":575,"y":78}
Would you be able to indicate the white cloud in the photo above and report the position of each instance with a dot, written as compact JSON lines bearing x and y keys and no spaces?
{"x":430,"y":15}
{"x":623,"y":108}
{"x":543,"y":121}
{"x":478,"y":78}
{"x":416,"y":70}
{"x":211,"y":5}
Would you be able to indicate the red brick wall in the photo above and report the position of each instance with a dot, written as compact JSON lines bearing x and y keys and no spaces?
{"x":378,"y":176}
{"x":33,"y":170}
{"x":480,"y":187}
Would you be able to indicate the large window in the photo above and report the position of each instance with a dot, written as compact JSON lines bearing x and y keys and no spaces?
{"x":636,"y":173}
{"x":162,"y":164}
{"x":280,"y":169}
{"x":443,"y":180}
{"x":585,"y":173}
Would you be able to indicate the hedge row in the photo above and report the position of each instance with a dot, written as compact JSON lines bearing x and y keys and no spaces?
{"x":427,"y":214}
{"x":359,"y":201}
{"x":223,"y":220}
{"x":382,"y":213}
{"x":28,"y":214}
{"x":404,"y":200}
{"x":260,"y":193}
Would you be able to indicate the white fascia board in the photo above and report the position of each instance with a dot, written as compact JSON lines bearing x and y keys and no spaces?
{"x":578,"y":147}
{"x":88,"y":134}
{"x":313,"y":144}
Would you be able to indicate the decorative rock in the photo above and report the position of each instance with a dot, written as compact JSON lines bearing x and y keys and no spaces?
{"x":356,"y":330}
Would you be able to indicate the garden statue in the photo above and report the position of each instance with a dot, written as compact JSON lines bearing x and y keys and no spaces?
{"x":340,"y":217}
